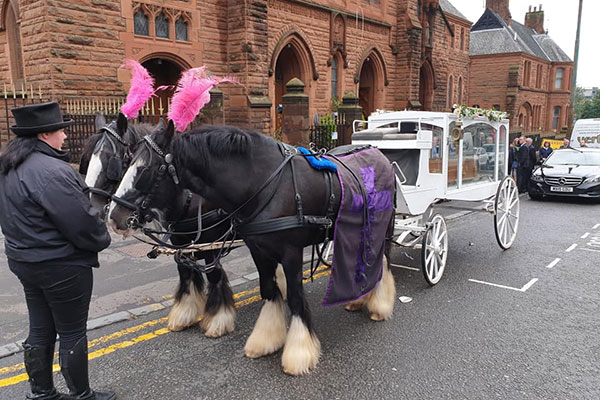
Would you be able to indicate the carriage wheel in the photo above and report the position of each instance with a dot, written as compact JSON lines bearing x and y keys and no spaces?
{"x":434,"y":251}
{"x":506,"y":217}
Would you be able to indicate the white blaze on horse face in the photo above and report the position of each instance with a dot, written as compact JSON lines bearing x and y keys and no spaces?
{"x":94,"y":170}
{"x":127,"y":182}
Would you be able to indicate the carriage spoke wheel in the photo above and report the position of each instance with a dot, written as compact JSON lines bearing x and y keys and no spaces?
{"x":506,"y":217}
{"x":434,"y":251}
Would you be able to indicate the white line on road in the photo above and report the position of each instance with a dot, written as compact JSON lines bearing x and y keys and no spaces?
{"x":523,"y":289}
{"x":571,"y":247}
{"x":553,"y":263}
{"x":596,"y":226}
{"x":585,"y":248}
{"x":405,"y":267}
{"x":585,"y":235}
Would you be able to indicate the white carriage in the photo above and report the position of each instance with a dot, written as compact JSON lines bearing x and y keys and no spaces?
{"x":441,"y":157}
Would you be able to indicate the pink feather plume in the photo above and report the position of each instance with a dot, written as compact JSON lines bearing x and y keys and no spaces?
{"x":141,"y":90}
{"x":191,"y":95}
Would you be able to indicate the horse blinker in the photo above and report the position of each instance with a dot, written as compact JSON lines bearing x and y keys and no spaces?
{"x":114,"y":171}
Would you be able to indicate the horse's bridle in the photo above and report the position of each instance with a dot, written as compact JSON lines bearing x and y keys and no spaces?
{"x":109,"y":134}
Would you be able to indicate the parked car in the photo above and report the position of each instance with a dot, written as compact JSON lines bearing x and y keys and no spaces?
{"x":568,"y":172}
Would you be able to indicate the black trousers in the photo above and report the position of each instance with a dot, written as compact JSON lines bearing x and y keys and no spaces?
{"x":523,"y":175}
{"x":58,"y":300}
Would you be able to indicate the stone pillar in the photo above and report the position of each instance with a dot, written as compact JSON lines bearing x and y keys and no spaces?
{"x":349,"y":111}
{"x":212,"y":113}
{"x":295,"y":121}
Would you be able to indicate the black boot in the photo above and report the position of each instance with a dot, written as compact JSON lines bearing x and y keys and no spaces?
{"x":38,"y":364}
{"x":74,"y":367}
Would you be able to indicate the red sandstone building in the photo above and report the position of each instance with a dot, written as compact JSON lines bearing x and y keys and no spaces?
{"x":520,"y":69}
{"x":391,"y":54}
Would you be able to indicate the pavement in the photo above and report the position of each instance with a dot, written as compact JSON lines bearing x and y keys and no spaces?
{"x":126,"y":286}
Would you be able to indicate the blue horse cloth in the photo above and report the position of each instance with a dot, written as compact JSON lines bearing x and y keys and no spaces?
{"x":318,"y":163}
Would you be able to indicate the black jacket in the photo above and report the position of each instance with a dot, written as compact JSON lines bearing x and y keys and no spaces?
{"x":46,"y":215}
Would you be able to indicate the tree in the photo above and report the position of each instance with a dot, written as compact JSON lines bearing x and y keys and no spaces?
{"x":589,"y":108}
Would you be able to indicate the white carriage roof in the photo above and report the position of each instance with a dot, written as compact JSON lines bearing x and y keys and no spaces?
{"x":421,"y":115}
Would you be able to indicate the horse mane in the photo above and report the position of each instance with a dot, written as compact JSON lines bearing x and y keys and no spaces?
{"x":199,"y":145}
{"x":86,"y":154}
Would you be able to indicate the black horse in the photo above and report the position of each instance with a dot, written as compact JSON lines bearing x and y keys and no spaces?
{"x":104,"y":161}
{"x":230,"y":167}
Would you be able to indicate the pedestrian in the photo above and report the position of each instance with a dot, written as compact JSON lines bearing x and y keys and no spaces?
{"x":435,"y":149}
{"x":523,"y":168}
{"x":545,"y":151}
{"x":52,"y":239}
{"x":532,"y":153}
{"x":566,"y":144}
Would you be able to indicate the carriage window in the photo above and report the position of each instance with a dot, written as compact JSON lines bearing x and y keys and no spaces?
{"x":181,"y":30}
{"x":435,"y":156}
{"x":140,"y":24}
{"x":162,"y":26}
{"x":479,"y":153}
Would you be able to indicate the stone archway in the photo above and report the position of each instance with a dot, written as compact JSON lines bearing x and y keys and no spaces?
{"x":525,"y":117}
{"x":426,"y":80}
{"x":367,"y":87}
{"x":166,"y":72}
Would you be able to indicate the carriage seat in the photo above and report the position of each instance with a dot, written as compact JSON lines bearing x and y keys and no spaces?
{"x":383,"y":134}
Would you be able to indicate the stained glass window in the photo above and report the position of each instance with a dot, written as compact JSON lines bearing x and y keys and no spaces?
{"x":181,"y":30}
{"x":162,"y":26}
{"x":334,"y":78}
{"x":140,"y":23}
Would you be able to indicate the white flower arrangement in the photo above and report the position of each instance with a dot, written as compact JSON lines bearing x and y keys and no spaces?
{"x":473,"y":112}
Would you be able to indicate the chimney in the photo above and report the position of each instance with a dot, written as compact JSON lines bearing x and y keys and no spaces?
{"x":501,"y":7}
{"x":535,"y":19}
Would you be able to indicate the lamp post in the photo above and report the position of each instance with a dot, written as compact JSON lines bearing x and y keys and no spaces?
{"x":576,"y":60}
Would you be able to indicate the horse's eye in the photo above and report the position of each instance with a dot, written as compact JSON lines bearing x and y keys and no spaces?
{"x":144,"y":181}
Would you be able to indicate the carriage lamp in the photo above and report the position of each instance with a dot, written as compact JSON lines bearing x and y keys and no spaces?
{"x":457,"y":134}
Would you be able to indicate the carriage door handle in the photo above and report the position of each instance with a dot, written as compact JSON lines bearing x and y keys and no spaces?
{"x":397,"y":167}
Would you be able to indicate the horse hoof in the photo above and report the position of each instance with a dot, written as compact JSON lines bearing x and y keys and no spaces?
{"x":220,"y":324}
{"x":269,"y":333}
{"x":354,"y":306}
{"x":302,"y":349}
{"x":377,"y":317}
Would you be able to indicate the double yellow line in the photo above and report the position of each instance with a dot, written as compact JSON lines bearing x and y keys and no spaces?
{"x":253,"y":298}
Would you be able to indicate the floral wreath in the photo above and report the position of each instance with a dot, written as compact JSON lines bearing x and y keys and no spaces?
{"x":472,"y":112}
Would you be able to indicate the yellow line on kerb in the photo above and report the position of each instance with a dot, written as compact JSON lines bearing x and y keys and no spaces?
{"x":13,"y":380}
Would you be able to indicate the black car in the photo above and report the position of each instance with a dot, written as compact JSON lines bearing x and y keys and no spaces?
{"x":567,"y":172}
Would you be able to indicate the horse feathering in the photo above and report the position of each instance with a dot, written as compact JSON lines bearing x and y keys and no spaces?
{"x":142,"y":88}
{"x":191,"y":95}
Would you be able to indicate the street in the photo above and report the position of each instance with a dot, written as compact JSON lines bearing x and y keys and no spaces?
{"x":516,"y":324}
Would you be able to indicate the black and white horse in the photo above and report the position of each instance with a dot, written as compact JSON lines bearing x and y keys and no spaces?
{"x":104,"y":162}
{"x":227,"y":166}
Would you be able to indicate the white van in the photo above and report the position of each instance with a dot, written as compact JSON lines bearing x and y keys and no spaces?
{"x":587,"y":130}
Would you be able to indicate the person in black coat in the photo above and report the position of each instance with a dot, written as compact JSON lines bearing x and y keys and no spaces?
{"x":52,"y":239}
{"x":545,"y":151}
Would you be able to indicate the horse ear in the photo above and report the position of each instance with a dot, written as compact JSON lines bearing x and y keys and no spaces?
{"x":100,"y":121}
{"x":121,"y":124}
{"x":161,"y":124}
{"x":170,"y":130}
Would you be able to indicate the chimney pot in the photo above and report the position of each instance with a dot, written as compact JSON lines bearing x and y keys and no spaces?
{"x":540,"y":7}
{"x":534,"y":9}
{"x":529,"y":8}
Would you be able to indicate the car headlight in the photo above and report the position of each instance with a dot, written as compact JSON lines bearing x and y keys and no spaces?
{"x":593,"y":179}
{"x":537,"y":178}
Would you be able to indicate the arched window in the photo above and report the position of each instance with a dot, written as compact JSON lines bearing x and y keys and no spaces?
{"x":334,"y":77}
{"x":556,"y":118}
{"x":13,"y":33}
{"x":459,"y":90}
{"x":162,"y":26}
{"x":526,"y":73}
{"x":181,"y":30}
{"x":140,"y":23}
{"x":462,"y":38}
{"x":538,"y":76}
{"x":558,"y":83}
{"x":449,"y":96}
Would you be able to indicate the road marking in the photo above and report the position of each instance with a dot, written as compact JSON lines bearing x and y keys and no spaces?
{"x":586,"y":249}
{"x":553,"y":263}
{"x":596,"y":226}
{"x":585,"y":235}
{"x":571,"y":247}
{"x":523,"y":289}
{"x":13,"y":380}
{"x":405,"y":267}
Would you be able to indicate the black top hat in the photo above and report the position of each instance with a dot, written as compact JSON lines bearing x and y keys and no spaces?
{"x":38,"y":118}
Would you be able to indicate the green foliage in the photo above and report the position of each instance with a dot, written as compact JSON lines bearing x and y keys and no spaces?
{"x":327,"y":126}
{"x":588,"y":108}
{"x":335,"y":103}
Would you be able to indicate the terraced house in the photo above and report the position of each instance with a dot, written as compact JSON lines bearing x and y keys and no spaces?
{"x":390,"y":54}
{"x":518,"y":68}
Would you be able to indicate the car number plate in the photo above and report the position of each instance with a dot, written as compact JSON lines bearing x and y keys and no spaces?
{"x":560,"y":189}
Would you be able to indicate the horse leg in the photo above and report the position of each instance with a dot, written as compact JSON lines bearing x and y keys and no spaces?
{"x":302,"y":347}
{"x":219,"y":316}
{"x":381,"y":300}
{"x":189,"y":299}
{"x":269,"y":332}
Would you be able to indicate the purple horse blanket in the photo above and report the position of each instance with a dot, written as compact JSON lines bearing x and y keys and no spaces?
{"x":360,"y":229}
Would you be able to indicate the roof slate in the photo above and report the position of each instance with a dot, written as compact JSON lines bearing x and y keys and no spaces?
{"x":492,"y":35}
{"x":448,"y":8}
